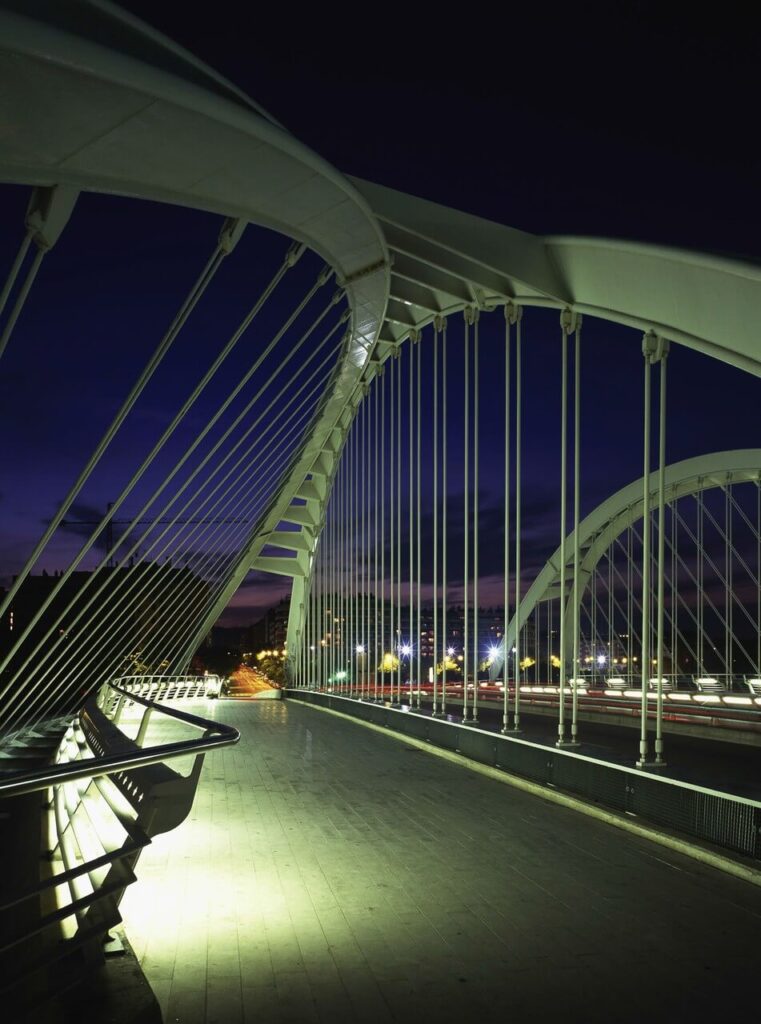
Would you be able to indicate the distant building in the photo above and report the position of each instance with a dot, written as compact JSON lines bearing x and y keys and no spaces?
{"x":232,"y":638}
{"x":112,"y":622}
{"x":490,"y":625}
{"x":277,"y":623}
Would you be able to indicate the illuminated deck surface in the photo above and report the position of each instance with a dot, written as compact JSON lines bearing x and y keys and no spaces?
{"x":331,"y":873}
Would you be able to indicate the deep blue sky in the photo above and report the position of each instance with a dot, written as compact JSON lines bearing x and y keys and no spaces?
{"x":627,"y":122}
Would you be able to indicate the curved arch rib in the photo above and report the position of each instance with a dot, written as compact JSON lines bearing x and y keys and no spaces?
{"x":610,"y":519}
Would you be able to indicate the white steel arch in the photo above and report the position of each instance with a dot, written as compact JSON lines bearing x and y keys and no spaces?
{"x":138,"y":116}
{"x":93,"y":99}
{"x":443,"y":260}
{"x":617,"y":513}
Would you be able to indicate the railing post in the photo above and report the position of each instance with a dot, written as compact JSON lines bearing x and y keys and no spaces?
{"x":140,"y":738}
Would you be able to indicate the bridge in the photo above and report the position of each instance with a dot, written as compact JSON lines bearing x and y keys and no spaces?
{"x":523,"y":691}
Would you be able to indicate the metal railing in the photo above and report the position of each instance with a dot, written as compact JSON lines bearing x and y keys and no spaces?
{"x":158,"y":687}
{"x":108,"y":795}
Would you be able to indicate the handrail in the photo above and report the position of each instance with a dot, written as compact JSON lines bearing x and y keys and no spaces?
{"x":75,"y":902}
{"x":216,"y":735}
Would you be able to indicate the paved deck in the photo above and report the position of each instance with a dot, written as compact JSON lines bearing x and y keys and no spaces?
{"x":332,"y":873}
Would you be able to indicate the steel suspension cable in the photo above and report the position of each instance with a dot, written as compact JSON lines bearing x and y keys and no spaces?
{"x":244,"y":479}
{"x":15,"y":267}
{"x":398,"y":526}
{"x":468,"y":318}
{"x":127,"y":579}
{"x":243,"y":488}
{"x":98,"y":571}
{"x":647,"y":349}
{"x":435,"y":639}
{"x":271,"y":424}
{"x":363,"y":633}
{"x":564,"y":325}
{"x":518,"y":504}
{"x":476,"y":511}
{"x":224,"y":246}
{"x":419,"y":548}
{"x":410,"y":504}
{"x":377,"y":509}
{"x":682,"y":563}
{"x":383,"y":530}
{"x":168,"y":432}
{"x":661,"y":607}
{"x":444,"y":505}
{"x":728,"y":610}
{"x":509,"y":310}
{"x":700,"y":567}
{"x":333,"y":611}
{"x":706,"y":513}
{"x":674,"y":605}
{"x":392,"y":524}
{"x":576,"y":520}
{"x":23,"y":294}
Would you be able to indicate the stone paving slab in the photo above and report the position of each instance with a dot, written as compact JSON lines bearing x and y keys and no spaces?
{"x":331,"y":873}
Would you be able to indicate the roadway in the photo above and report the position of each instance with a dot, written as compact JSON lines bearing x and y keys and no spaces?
{"x":331,"y":872}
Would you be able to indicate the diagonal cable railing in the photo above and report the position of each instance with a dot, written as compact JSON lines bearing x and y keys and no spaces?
{"x":683,"y":564}
{"x":301,"y":418}
{"x":293,"y":254}
{"x":707,"y":600}
{"x":47,"y":214}
{"x":298,"y":452}
{"x":118,"y":610}
{"x":228,"y":238}
{"x":736,"y":554}
{"x":324,"y":276}
{"x":23,"y":294}
{"x":216,"y":509}
{"x":14,"y":271}
{"x":240,"y":514}
{"x":628,"y":615}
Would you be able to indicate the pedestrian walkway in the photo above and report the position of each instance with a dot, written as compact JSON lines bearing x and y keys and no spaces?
{"x":331,"y":873}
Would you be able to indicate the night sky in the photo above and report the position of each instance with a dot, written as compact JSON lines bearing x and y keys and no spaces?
{"x":634,"y":124}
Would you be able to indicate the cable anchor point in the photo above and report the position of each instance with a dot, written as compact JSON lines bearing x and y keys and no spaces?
{"x":570,"y":320}
{"x":513,"y":312}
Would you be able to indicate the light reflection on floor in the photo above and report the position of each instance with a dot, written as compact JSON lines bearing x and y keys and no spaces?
{"x":330,"y":873}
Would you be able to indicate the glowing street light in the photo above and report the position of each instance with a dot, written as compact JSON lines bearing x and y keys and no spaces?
{"x":450,"y":651}
{"x":360,"y":648}
{"x":406,"y":650}
{"x":493,"y":651}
